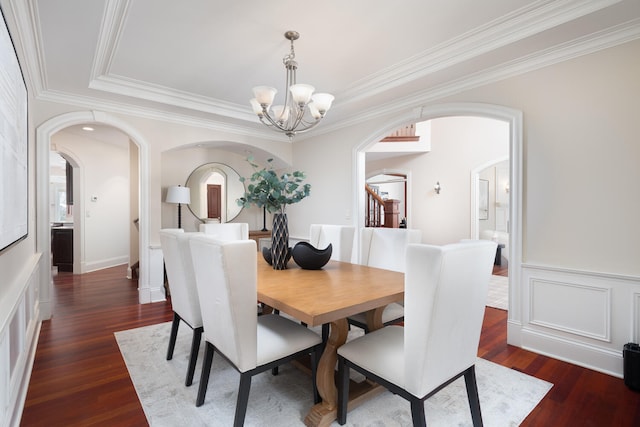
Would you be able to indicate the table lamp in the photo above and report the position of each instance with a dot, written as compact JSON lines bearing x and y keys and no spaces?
{"x":179,"y":195}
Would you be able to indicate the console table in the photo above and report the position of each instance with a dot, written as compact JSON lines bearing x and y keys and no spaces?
{"x":258,"y":234}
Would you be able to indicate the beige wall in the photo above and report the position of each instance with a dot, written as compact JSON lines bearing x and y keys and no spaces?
{"x":581,"y":153}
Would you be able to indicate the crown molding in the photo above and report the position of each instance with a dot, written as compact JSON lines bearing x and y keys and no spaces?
{"x":605,"y":39}
{"x":525,"y":22}
{"x":172,"y":97}
{"x":91,"y":103}
{"x":25,"y":14}
{"x":113,"y":21}
{"x":535,"y":17}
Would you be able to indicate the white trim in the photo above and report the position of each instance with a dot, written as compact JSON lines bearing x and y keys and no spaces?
{"x":581,"y":328}
{"x":43,"y":241}
{"x":475,"y":183}
{"x":514,"y":118}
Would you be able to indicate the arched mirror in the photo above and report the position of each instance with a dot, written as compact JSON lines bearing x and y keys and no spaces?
{"x":215,"y":187}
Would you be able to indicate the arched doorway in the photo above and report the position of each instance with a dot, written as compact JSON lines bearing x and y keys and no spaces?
{"x":514,"y":119}
{"x":43,"y":244}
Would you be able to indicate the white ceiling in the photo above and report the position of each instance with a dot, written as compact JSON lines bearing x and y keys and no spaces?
{"x":196,"y":61}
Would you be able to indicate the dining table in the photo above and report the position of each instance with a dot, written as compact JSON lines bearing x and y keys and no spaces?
{"x":327,"y":297}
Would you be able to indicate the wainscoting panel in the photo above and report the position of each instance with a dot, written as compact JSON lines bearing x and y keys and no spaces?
{"x":579,"y":316}
{"x":553,"y":305}
{"x":19,"y":329}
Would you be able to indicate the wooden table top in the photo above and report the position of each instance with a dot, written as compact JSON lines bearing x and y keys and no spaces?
{"x":335,"y":292}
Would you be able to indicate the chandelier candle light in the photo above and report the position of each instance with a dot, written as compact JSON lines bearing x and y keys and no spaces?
{"x":301,"y":111}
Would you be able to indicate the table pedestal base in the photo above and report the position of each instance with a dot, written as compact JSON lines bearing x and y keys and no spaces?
{"x":326,"y":411}
{"x":322,"y":415}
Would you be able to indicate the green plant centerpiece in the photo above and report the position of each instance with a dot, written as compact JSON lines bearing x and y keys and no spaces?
{"x":266,"y":189}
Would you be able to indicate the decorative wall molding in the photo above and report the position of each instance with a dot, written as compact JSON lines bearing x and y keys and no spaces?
{"x":551,"y":305}
{"x":19,"y":331}
{"x":567,"y":314}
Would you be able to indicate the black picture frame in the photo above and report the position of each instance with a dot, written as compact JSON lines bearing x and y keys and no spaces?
{"x":14,"y":144}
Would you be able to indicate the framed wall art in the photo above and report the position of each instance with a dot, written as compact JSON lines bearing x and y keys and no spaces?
{"x":14,"y":144}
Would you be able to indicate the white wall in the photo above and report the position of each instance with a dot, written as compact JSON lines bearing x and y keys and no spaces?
{"x":103,"y":223}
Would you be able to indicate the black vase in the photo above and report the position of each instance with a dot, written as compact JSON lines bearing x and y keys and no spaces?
{"x":309,"y":257}
{"x":280,"y":242}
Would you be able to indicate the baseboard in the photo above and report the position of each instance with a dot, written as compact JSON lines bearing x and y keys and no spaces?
{"x":149,"y":295}
{"x":24,"y":386}
{"x":88,"y":267}
{"x":588,"y":356}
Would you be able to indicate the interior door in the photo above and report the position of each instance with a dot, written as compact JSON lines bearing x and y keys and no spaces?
{"x":214,"y":201}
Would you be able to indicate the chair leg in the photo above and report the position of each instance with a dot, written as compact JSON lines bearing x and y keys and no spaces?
{"x":193,"y":357}
{"x":472,"y":394}
{"x":204,"y":376}
{"x":417,"y":413}
{"x":243,"y":399}
{"x":315,"y":356}
{"x":343,"y":390}
{"x":325,"y":332}
{"x":274,"y":371}
{"x":173,"y":335}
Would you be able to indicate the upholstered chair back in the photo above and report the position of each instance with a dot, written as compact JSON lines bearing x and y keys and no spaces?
{"x":177,"y":259}
{"x":445,"y":297}
{"x":339,"y":236}
{"x":386,"y":247}
{"x":226,"y":276}
{"x":227,"y":230}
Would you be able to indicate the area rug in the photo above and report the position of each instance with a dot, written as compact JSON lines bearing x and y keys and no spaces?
{"x":498,"y":296}
{"x":506,"y":396}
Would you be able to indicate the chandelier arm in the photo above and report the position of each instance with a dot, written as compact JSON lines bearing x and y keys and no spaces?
{"x":308,"y":127}
{"x":271,"y":121}
{"x":294,"y":120}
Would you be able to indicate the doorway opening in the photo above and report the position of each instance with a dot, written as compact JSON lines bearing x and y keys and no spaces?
{"x":424,"y":190}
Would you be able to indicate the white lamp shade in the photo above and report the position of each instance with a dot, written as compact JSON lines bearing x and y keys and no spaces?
{"x":264,"y":94}
{"x":281,"y":113}
{"x":314,"y":111}
{"x":301,"y":93}
{"x":257,"y":108}
{"x":322,"y":101}
{"x":178,"y":194}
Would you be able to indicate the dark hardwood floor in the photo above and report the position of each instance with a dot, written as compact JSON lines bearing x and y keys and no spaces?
{"x":80,"y":379}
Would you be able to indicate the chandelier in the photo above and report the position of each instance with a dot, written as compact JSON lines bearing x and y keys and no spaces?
{"x":302,"y":109}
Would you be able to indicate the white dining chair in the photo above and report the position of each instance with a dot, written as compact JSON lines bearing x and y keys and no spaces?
{"x":339,"y":236}
{"x":445,"y":294}
{"x":184,"y":294}
{"x":385,"y":248}
{"x":227,"y":230}
{"x":226,"y":277}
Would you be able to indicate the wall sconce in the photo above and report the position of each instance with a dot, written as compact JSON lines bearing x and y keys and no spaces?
{"x":437,"y":187}
{"x":506,"y":187}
